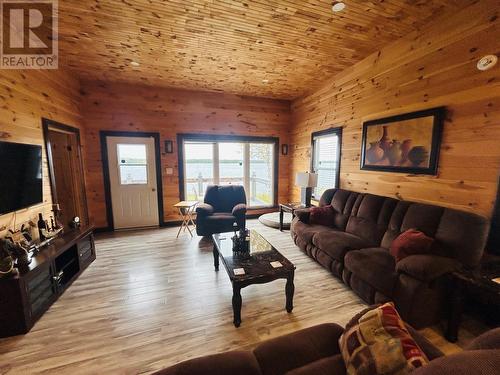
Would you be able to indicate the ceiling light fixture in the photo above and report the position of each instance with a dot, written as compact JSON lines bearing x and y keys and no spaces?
{"x":487,"y":62}
{"x":338,"y":6}
{"x":134,"y":63}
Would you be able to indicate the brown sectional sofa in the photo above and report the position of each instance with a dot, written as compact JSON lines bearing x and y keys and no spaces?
{"x":355,"y":248}
{"x":315,"y":351}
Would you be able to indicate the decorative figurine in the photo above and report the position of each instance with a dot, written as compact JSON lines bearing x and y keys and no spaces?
{"x":241,"y":240}
{"x":6,"y":261}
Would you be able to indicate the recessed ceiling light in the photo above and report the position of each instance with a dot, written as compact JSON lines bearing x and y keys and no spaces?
{"x":338,"y":6}
{"x":134,"y":63}
{"x":487,"y":62}
{"x":265,"y":81}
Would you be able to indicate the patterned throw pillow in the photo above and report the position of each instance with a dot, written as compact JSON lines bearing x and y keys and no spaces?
{"x":380,"y":344}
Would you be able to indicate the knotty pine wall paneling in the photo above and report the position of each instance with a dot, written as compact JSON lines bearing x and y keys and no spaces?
{"x":124,"y":107}
{"x":434,"y":67}
{"x":27,"y":96}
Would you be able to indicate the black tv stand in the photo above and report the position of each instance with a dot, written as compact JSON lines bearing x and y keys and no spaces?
{"x":25,"y":297}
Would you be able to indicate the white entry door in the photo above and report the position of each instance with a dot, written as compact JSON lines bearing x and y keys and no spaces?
{"x":132,"y":175}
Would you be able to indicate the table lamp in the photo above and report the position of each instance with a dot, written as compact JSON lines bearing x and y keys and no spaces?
{"x":307,"y":181}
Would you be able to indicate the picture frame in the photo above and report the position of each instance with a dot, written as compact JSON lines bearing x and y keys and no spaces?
{"x":406,"y":143}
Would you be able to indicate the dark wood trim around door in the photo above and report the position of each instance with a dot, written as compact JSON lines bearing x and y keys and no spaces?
{"x":46,"y":124}
{"x":228,"y":138}
{"x":105,"y":171}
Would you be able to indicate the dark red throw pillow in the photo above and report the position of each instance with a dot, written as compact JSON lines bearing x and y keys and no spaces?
{"x":410,"y":242}
{"x":322,"y":215}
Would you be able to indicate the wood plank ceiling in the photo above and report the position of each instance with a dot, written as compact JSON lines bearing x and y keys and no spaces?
{"x":232,"y":46}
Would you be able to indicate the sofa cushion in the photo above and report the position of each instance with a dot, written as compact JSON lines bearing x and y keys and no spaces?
{"x":322,"y":216}
{"x":379,"y":343}
{"x":410,"y":242}
{"x":336,"y":244}
{"x":463,"y":236}
{"x":477,"y":362}
{"x":333,"y":365}
{"x":370,"y":217}
{"x":343,"y":202}
{"x":221,"y":216}
{"x":375,"y":266}
{"x":423,"y":217}
{"x":427,"y":267}
{"x":236,"y":362}
{"x":285,"y":353}
{"x":307,"y":231}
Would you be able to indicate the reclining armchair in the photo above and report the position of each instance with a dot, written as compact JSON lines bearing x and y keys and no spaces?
{"x":223,"y":206}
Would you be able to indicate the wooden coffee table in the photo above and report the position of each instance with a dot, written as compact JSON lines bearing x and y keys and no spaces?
{"x":257,"y":266}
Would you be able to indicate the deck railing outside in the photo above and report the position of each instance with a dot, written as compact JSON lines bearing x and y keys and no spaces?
{"x":260,"y":188}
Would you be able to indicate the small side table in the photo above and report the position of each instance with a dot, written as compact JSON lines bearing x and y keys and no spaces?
{"x":290,"y":208}
{"x":478,"y":285}
{"x":186,"y":210}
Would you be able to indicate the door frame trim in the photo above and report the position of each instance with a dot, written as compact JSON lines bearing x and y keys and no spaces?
{"x":46,"y":124}
{"x":103,"y":134}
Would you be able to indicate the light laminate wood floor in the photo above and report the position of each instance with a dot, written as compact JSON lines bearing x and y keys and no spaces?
{"x":151,"y":300}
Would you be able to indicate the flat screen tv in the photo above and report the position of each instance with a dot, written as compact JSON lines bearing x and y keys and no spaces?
{"x":20,"y":176}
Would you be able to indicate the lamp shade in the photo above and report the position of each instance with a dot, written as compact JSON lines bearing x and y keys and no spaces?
{"x":306,"y":179}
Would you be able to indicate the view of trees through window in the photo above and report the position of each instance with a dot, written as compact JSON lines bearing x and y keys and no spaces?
{"x":230,"y":163}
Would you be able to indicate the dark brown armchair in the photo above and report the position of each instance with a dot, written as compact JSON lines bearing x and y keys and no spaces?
{"x":223,"y":206}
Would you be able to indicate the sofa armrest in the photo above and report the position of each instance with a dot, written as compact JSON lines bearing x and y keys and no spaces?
{"x":431,"y":351}
{"x":229,"y":363}
{"x":204,"y":209}
{"x":303,"y":214}
{"x":282,"y":354}
{"x":427,"y":267}
{"x":488,"y":340}
{"x":239,"y":210}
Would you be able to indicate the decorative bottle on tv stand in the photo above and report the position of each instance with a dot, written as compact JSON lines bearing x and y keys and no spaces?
{"x":41,"y":225}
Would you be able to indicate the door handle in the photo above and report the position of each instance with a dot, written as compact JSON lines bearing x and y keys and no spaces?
{"x":153,"y":189}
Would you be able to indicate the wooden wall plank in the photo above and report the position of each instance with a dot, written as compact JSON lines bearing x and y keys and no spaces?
{"x":114,"y":106}
{"x":433,"y":67}
{"x":26,"y":97}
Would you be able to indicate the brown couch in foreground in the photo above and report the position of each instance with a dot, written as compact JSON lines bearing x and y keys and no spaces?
{"x":355,"y":248}
{"x":315,"y":351}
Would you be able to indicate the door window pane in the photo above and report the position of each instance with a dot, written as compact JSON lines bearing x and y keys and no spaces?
{"x":325,"y":162}
{"x":133,"y":164}
{"x":199,"y":159}
{"x":261,"y":190}
{"x":231,"y":163}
